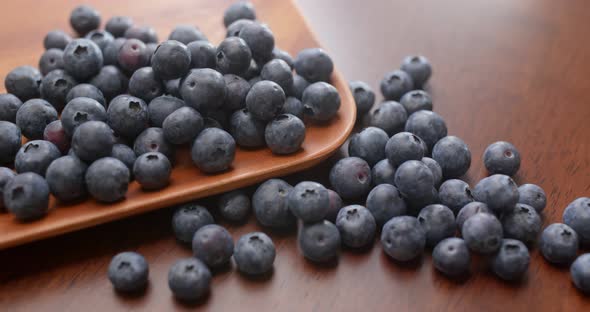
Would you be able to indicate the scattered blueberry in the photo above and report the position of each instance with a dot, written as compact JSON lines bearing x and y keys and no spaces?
{"x":128,"y":116}
{"x":213,"y":245}
{"x":451,"y":257}
{"x":414,"y":179}
{"x":532,"y":195}
{"x":187,"y":34}
{"x":118,"y":25}
{"x":133,"y":54}
{"x":56,"y":39}
{"x":110,"y":53}
{"x":93,"y":140}
{"x":416,"y":100}
{"x":153,"y":140}
{"x":260,"y":39}
{"x":357,"y":226}
{"x":522,"y":223}
{"x":88,"y":91}
{"x":299,"y":85}
{"x":55,"y":133}
{"x":238,"y":11}
{"x":80,"y":110}
{"x":502,"y":158}
{"x":279,"y":72}
{"x":314,"y":65}
{"x":369,"y":144}
{"x":428,"y":125}
{"x":270,"y":204}
{"x":512,"y":260}
{"x":321,"y":101}
{"x":309,"y":201}
{"x":10,"y":141}
{"x":145,"y":34}
{"x":418,"y":68}
{"x":202,"y":54}
{"x":351,"y":177}
{"x":233,"y":56}
{"x":84,"y":19}
{"x":389,"y":116}
{"x":383,"y":172}
{"x":284,"y":134}
{"x":55,"y":87}
{"x":455,"y":194}
{"x":171,"y":60}
{"x":364,"y":97}
{"x":559,"y":243}
{"x":294,"y":107}
{"x":182,"y":126}
{"x":438,"y":223}
{"x":102,"y":38}
{"x":483,"y":233}
{"x":23,"y":82}
{"x":9,"y":105}
{"x":213,"y":150}
{"x":247,"y":130}
{"x":234,"y":206}
{"x":402,"y":147}
{"x":469,"y":210}
{"x":580,"y":271}
{"x":152,"y":171}
{"x":188,"y":219}
{"x":254,"y":253}
{"x":498,"y":191}
{"x":319,"y":242}
{"x":82,"y":59}
{"x":128,"y":272}
{"x":403,"y":238}
{"x":189,"y":279}
{"x":35,"y":156}
{"x":283,"y":55}
{"x":110,"y":81}
{"x":107,"y":179}
{"x":453,"y":156}
{"x":145,"y":85}
{"x":51,"y":59}
{"x":236,"y":90}
{"x":385,"y":202}
{"x":334,"y":206}
{"x":577,"y":216}
{"x":265,"y":100}
{"x":125,"y":154}
{"x":395,"y":84}
{"x":203,"y":89}
{"x":6,"y":176}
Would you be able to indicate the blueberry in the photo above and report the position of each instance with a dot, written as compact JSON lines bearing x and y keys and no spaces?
{"x":254,"y":253}
{"x":65,"y":177}
{"x":577,"y":216}
{"x":87,"y":91}
{"x":56,"y":134}
{"x":233,"y":56}
{"x":128,"y":272}
{"x":321,"y":101}
{"x":144,"y":34}
{"x":532,"y":195}
{"x":80,"y":110}
{"x":482,"y":233}
{"x":110,"y":81}
{"x":559,"y":243}
{"x":9,"y":105}
{"x":351,"y":177}
{"x":385,"y":202}
{"x":419,"y":69}
{"x":182,"y":126}
{"x":369,"y":144}
{"x":416,"y":100}
{"x":152,"y":171}
{"x":453,"y":156}
{"x":402,"y":147}
{"x":82,"y":59}
{"x":435,"y":169}
{"x":118,"y":25}
{"x":469,"y":210}
{"x":512,"y":260}
{"x":172,"y":88}
{"x":128,"y":116}
{"x":186,"y":34}
{"x":309,"y":201}
{"x":260,"y":39}
{"x":102,"y":38}
{"x":314,"y":65}
{"x":278,"y":71}
{"x":293,"y":106}
{"x":35,"y":156}
{"x":6,"y":175}
{"x":389,"y":116}
{"x":33,"y":116}
{"x":364,"y":97}
{"x":416,"y":204}
{"x":265,"y":100}
{"x":502,"y":158}
{"x":84,"y":19}
{"x":357,"y":226}
{"x":270,"y":204}
{"x":171,"y":60}
{"x":438,"y":222}
{"x":236,"y":90}
{"x":498,"y":191}
{"x":413,"y":179}
{"x":427,"y":125}
{"x":202,"y":54}
{"x":451,"y":257}
{"x":299,"y":85}
{"x":189,"y":279}
{"x":213,"y":245}
{"x":145,"y":84}
{"x":234,"y":206}
{"x":107,"y":179}
{"x":27,"y":196}
{"x":213,"y":150}
{"x":56,"y":39}
{"x":383,"y":173}
{"x":237,"y":11}
{"x":23,"y":82}
{"x":283,"y":55}
{"x":455,"y":194}
{"x":233,"y":29}
{"x":334,"y":206}
{"x":10,"y":141}
{"x":522,"y":223}
{"x":93,"y":140}
{"x":188,"y":219}
{"x":51,"y":59}
{"x":133,"y":55}
{"x":125,"y":154}
{"x":395,"y":84}
{"x":161,"y":107}
{"x":319,"y":242}
{"x":55,"y":87}
{"x":284,"y":134}
{"x":110,"y":53}
{"x":247,"y":130}
{"x":580,"y":271}
{"x":153,"y":140}
{"x":403,"y":238}
{"x":203,"y":89}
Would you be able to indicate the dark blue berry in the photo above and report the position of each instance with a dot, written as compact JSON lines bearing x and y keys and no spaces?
{"x":416,"y":100}
{"x":389,"y":116}
{"x":438,"y":222}
{"x":152,"y":171}
{"x":118,"y":25}
{"x":498,"y":191}
{"x":171,"y":60}
{"x":236,"y":90}
{"x":234,"y":206}
{"x":314,"y":65}
{"x":299,"y":85}
{"x":265,"y":100}
{"x":419,"y":69}
{"x":385,"y":202}
{"x":82,"y":59}
{"x":453,"y":156}
{"x":189,"y":279}
{"x":153,"y":140}
{"x":283,"y":55}
{"x":187,"y":34}
{"x":395,"y":84}
{"x":84,"y":19}
{"x":182,"y":126}
{"x":260,"y":39}
{"x":402,"y":147}
{"x":237,"y":11}
{"x":125,"y":154}
{"x":294,"y":107}
{"x":254,"y":253}
{"x":6,"y":175}
{"x":202,"y":54}
{"x":213,"y":245}
{"x":559,"y":243}
{"x":133,"y":54}
{"x":56,"y":39}
{"x":145,"y":34}
{"x":188,"y":219}
{"x":102,"y":38}
{"x":532,"y":195}
{"x":403,"y":238}
{"x":284,"y":134}
{"x":35,"y":156}
{"x":145,"y":85}
{"x":383,"y":173}
{"x":321,"y":101}
{"x":577,"y":216}
{"x":247,"y":130}
{"x":580,"y":271}
{"x":128,"y":116}
{"x":522,"y":223}
{"x":512,"y":260}
{"x":309,"y":201}
{"x":279,"y":72}
{"x":369,"y":144}
{"x":110,"y":81}
{"x":233,"y":56}
{"x":414,"y":179}
{"x":27,"y":196}
{"x":203,"y":89}
{"x":451,"y":257}
{"x":270,"y":204}
{"x":9,"y":105}
{"x":23,"y":82}
{"x":107,"y":180}
{"x":357,"y":226}
{"x":51,"y":59}
{"x":455,"y":194}
{"x":214,"y":150}
{"x":128,"y":272}
{"x":55,"y":87}
{"x":502,"y":157}
{"x":65,"y":177}
{"x":93,"y":140}
{"x":469,"y":210}
{"x":364,"y":97}
{"x":10,"y":141}
{"x":88,"y":91}
{"x":483,"y":233}
{"x":351,"y":177}
{"x":319,"y":242}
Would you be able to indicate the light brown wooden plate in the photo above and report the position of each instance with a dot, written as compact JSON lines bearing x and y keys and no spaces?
{"x":187,"y":182}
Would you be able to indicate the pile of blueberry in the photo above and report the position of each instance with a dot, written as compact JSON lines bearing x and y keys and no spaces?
{"x":113,"y":105}
{"x":402,"y":175}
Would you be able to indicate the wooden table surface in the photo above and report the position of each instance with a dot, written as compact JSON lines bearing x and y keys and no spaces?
{"x":503,"y":70}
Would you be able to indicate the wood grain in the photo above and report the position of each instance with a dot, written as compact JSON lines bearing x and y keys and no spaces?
{"x":510,"y":70}
{"x":187,"y":182}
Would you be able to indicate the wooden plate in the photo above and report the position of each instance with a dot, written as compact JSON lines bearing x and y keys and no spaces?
{"x":187,"y":183}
